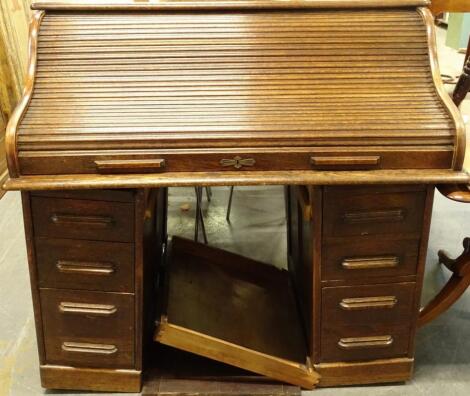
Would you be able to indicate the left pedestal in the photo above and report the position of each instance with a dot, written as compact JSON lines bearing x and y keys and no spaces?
{"x":92,"y":260}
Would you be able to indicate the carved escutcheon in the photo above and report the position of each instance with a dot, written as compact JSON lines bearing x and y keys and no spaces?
{"x":238,"y":162}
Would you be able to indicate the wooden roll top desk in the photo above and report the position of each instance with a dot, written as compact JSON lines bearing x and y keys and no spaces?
{"x":339,"y":100}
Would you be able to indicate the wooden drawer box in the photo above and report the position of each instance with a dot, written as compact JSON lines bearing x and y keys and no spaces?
{"x":371,"y":256}
{"x":85,"y":265}
{"x":369,"y":211}
{"x":88,"y":329}
{"x":83,"y":219}
{"x":366,"y":322}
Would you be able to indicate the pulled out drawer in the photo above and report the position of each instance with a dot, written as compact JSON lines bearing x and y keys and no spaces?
{"x":83,"y":219}
{"x":88,"y":329}
{"x":85,"y":265}
{"x":234,"y":310}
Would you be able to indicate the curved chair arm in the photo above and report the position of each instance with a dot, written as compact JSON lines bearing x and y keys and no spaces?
{"x":458,"y":193}
{"x":460,"y":267}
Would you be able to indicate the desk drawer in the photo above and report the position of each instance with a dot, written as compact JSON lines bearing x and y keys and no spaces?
{"x":364,"y":343}
{"x":217,"y":159}
{"x":360,"y":212}
{"x":85,"y":265}
{"x":88,"y":329}
{"x":371,"y":256}
{"x":366,"y":322}
{"x":83,"y":219}
{"x":374,"y":305}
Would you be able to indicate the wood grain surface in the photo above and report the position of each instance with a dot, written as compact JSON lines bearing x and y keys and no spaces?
{"x":214,"y":4}
{"x":185,"y":88}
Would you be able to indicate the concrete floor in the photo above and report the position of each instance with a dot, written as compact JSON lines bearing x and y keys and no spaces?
{"x":257,"y":230}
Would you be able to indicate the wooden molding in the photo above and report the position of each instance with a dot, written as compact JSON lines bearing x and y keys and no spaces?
{"x":62,"y":377}
{"x":18,"y":113}
{"x":214,"y":4}
{"x":376,"y":371}
{"x":186,"y":179}
{"x":439,"y":6}
{"x":454,"y":112}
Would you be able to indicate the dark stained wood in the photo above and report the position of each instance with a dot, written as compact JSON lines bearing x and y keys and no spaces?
{"x":33,"y":273}
{"x":454,"y":288}
{"x":86,"y":265}
{"x":377,"y":306}
{"x":94,"y":195}
{"x":83,"y":219}
{"x":325,"y":96}
{"x":463,"y":85}
{"x":369,"y":257}
{"x":88,"y":329}
{"x":368,"y":212}
{"x":267,"y":338}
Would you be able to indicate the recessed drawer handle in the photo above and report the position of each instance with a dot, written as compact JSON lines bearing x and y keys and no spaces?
{"x":130,"y":166}
{"x":361,"y":303}
{"x":386,"y":215}
{"x":85,"y":267}
{"x":364,"y":161}
{"x":361,"y":263}
{"x":82,"y":347}
{"x":87,"y":309}
{"x":90,"y":221}
{"x":365,"y":342}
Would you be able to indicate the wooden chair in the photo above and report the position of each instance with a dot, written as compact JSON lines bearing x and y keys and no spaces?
{"x":460,"y":267}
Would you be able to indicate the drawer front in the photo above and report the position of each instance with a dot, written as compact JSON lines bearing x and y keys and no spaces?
{"x":85,"y":265}
{"x":364,"y":343}
{"x":376,"y":305}
{"x":372,"y":213}
{"x":95,"y":195}
{"x":210,"y":159}
{"x":361,"y":258}
{"x":83,"y":219}
{"x":88,"y":329}
{"x":366,"y":322}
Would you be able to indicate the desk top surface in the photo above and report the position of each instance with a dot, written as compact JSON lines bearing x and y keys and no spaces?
{"x":216,"y":4}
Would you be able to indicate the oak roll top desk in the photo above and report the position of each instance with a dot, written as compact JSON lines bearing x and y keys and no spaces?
{"x":339,"y":100}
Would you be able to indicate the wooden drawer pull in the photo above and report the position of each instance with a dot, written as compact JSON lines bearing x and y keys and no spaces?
{"x":386,"y":215}
{"x":85,"y":267}
{"x":361,"y":263}
{"x":130,"y":166}
{"x":87,"y":309}
{"x":366,"y":161}
{"x":361,"y":303}
{"x":365,"y":342}
{"x":82,"y":347}
{"x":89,"y":221}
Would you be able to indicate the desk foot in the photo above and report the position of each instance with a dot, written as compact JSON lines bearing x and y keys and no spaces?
{"x":360,"y":373}
{"x":102,"y":380}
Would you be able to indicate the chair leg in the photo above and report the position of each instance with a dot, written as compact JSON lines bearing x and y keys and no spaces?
{"x":209,"y":193}
{"x":229,"y":206}
{"x":199,"y":220}
{"x":453,"y":289}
